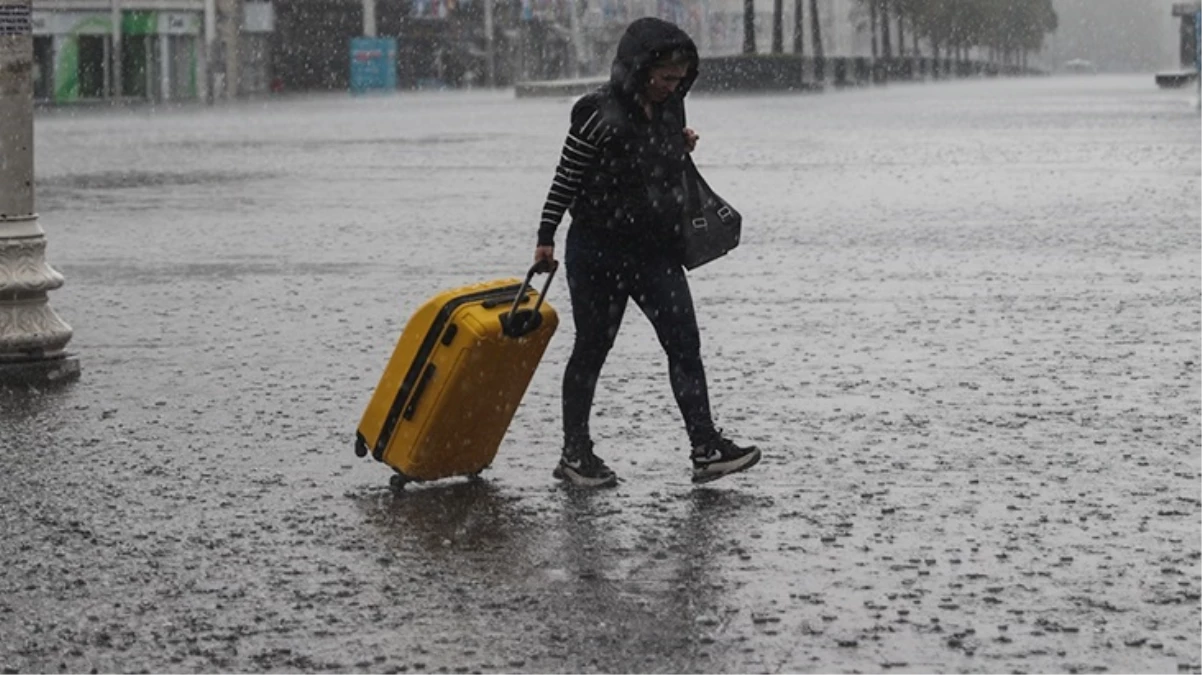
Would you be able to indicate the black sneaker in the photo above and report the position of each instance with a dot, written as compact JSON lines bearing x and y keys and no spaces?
{"x":720,"y":456}
{"x":579,"y":466}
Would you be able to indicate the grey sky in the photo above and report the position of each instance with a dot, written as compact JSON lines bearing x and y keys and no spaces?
{"x":1117,"y":35}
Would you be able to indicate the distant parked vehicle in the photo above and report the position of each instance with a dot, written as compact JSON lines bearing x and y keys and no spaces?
{"x":1080,"y":67}
{"x":1176,"y":79}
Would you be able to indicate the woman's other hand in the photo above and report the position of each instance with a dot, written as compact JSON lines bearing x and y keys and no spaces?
{"x":690,"y":139}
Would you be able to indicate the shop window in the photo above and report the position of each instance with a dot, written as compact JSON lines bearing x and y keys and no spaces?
{"x":183,"y":66}
{"x":136,"y":65}
{"x":43,"y":67}
{"x":91,"y":65}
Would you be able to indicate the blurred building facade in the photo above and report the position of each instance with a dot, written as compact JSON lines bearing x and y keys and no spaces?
{"x":188,"y":49}
{"x":149,"y":50}
{"x":715,"y":25}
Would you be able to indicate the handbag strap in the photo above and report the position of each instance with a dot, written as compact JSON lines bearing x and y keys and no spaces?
{"x":692,"y":168}
{"x":694,"y":183}
{"x":692,"y":192}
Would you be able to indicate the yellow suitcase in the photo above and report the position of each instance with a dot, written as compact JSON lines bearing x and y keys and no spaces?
{"x":456,"y":378}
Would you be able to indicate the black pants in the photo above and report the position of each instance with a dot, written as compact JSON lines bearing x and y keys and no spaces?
{"x":602,"y":279}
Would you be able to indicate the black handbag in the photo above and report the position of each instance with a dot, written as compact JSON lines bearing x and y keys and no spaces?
{"x":711,"y":227}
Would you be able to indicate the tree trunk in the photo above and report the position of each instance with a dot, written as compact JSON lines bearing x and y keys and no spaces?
{"x":914,"y":32}
{"x":872,"y":22}
{"x":901,"y":36}
{"x":778,"y":26}
{"x":816,"y":40}
{"x":799,"y":29}
{"x":749,"y":26}
{"x":886,"y":41}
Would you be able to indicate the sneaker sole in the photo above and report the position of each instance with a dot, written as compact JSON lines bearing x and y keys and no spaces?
{"x":571,"y":477}
{"x":720,"y":469}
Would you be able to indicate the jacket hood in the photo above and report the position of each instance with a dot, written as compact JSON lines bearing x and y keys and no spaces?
{"x":646,"y":41}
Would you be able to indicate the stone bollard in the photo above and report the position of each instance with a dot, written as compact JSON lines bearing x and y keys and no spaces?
{"x":840,"y":74}
{"x":880,"y":70}
{"x":863,"y":70}
{"x":32,"y":336}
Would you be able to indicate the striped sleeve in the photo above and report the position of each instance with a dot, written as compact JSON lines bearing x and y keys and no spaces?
{"x":581,"y":149}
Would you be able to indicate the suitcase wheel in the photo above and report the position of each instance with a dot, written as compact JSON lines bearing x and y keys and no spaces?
{"x":360,"y":447}
{"x":398,"y":481}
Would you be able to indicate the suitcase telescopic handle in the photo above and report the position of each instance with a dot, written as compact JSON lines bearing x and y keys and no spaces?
{"x":517,"y":324}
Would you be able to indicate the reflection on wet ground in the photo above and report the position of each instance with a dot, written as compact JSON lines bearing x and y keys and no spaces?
{"x":642,"y":598}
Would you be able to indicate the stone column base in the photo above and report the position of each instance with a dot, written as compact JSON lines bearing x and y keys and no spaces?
{"x":64,"y":368}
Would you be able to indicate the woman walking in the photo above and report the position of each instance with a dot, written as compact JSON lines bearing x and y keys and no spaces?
{"x":620,"y":176}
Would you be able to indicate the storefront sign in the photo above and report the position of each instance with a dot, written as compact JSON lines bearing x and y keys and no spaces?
{"x":373,"y":64}
{"x":14,"y":20}
{"x":258,"y":17}
{"x":100,"y":23}
{"x":71,"y":23}
{"x":432,"y":9}
{"x":178,"y":23}
{"x":542,"y":10}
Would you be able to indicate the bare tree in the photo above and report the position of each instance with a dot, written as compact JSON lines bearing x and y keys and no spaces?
{"x":778,"y":26}
{"x":872,"y":21}
{"x":798,"y":29}
{"x":749,"y":26}
{"x":816,"y":39}
{"x":886,"y":41}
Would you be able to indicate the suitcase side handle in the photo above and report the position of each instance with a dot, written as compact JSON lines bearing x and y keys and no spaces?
{"x":427,"y":375}
{"x":516,"y":324}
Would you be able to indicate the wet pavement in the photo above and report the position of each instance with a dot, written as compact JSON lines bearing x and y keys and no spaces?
{"x":963,"y":325}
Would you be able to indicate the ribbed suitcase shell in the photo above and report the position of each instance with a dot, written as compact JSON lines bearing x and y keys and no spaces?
{"x":453,"y":383}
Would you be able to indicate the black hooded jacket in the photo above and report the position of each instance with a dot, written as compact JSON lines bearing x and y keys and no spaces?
{"x":620,"y":173}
